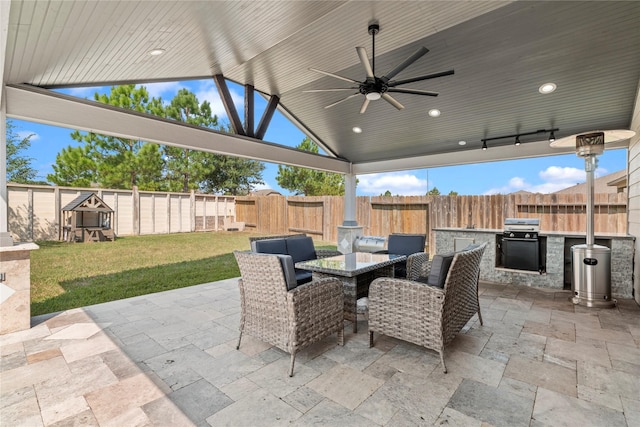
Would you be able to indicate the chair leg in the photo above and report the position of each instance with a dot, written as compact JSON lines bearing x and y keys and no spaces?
{"x":370,"y":339}
{"x":239,"y":339}
{"x":293,"y":360}
{"x":480,"y":315}
{"x":444,"y":367}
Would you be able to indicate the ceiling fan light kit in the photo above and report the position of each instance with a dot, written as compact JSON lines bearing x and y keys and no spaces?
{"x":374,"y":87}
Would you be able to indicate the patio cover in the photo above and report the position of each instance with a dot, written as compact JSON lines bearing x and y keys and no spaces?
{"x":501,"y":52}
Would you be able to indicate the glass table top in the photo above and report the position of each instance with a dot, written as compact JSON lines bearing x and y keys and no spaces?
{"x":350,"y":264}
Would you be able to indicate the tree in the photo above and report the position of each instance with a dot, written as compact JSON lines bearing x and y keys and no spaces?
{"x":186,"y":168}
{"x":74,"y":167}
{"x":114,"y":162}
{"x":310,"y":182}
{"x":18,"y":166}
{"x":433,"y":192}
{"x":122,"y":163}
{"x":386,"y":194}
{"x":453,"y":193}
{"x":231,"y":175}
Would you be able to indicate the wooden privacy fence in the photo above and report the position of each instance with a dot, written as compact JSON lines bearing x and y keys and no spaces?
{"x":35,"y":211}
{"x":381,"y":216}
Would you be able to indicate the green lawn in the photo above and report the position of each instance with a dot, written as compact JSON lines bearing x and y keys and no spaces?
{"x":69,"y":275}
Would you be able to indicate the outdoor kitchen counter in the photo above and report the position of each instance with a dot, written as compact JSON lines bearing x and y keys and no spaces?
{"x":556,"y":254}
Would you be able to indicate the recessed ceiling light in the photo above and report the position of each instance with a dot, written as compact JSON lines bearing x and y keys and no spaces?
{"x":434,"y":113}
{"x":356,"y":129}
{"x":462,"y":142}
{"x":547,"y":88}
{"x":156,"y":52}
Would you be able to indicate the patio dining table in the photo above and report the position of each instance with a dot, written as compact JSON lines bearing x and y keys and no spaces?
{"x":356,"y":271}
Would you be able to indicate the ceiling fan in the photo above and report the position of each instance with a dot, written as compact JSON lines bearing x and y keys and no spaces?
{"x":374,"y":87}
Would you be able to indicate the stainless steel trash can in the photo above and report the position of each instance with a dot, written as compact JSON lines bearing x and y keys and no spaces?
{"x":591,"y":276}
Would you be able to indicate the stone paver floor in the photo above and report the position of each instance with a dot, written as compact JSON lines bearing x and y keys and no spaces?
{"x":169,"y":359}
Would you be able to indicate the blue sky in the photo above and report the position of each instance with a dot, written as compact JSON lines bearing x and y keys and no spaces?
{"x":544,"y":175}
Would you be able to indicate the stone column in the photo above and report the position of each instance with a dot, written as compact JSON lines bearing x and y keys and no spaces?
{"x":349,"y":231}
{"x":15,"y":287}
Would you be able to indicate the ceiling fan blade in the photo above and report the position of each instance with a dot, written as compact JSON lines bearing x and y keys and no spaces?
{"x":420,"y":78}
{"x":362,"y":53}
{"x":326,"y":73}
{"x":329,"y":90}
{"x":365,"y":104}
{"x":342,"y":100}
{"x":392,"y":101}
{"x":412,"y":91}
{"x":410,"y":60}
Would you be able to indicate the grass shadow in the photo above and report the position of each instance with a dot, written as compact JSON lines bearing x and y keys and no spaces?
{"x":86,"y":291}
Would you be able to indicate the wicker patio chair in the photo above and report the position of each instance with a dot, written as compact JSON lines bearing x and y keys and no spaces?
{"x":288,"y":319}
{"x":426,"y":315}
{"x":411,"y":245}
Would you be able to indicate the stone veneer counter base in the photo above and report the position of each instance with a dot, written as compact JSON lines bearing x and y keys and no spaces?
{"x":622,"y":247}
{"x":15,"y":289}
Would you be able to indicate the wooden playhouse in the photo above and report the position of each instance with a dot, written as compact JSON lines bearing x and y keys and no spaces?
{"x":87,"y":219}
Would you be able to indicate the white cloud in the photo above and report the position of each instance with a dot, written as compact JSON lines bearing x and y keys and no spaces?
{"x":209,"y":92}
{"x":264,"y":186}
{"x":157,"y":90}
{"x":554,"y":178}
{"x":27,"y":133}
{"x":398,"y":183}
{"x":568,"y":175}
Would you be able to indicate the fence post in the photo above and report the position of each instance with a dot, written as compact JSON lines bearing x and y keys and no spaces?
{"x":136,"y":210}
{"x":168,"y":213}
{"x":192,"y":208}
{"x":30,"y":214}
{"x":217,"y":213}
{"x":57,"y":208}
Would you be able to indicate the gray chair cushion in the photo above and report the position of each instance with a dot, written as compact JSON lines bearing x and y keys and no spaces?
{"x":303,"y":276}
{"x":406,"y":244}
{"x":301,"y":249}
{"x":289,"y":271}
{"x":439,"y":269}
{"x":271,"y":246}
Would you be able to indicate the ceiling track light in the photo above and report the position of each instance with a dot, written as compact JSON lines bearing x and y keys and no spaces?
{"x":551,"y":132}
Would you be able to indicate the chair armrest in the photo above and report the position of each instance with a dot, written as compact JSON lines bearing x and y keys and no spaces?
{"x":388,"y":287}
{"x":382,"y":252}
{"x":418,"y":265}
{"x":318,"y":291}
{"x":326,"y":253}
{"x":411,"y":301}
{"x":316,"y":307}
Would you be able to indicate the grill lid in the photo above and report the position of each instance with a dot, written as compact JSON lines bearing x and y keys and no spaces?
{"x":522,"y":224}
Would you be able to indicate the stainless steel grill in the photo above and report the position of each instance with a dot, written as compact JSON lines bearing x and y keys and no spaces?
{"x":520,"y":244}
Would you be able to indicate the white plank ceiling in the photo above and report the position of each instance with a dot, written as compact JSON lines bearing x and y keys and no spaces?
{"x":501,"y":53}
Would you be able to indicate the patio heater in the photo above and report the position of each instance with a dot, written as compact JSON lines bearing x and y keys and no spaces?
{"x":591,"y":263}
